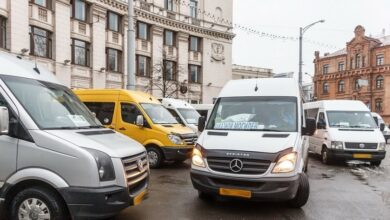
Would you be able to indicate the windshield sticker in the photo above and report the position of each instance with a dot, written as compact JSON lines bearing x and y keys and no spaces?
{"x":237,"y":125}
{"x":78,"y":120}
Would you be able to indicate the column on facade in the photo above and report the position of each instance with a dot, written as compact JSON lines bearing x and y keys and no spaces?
{"x":62,"y":41}
{"x":98,"y":47}
{"x":18,"y":28}
{"x":183,"y":61}
{"x":157,"y":58}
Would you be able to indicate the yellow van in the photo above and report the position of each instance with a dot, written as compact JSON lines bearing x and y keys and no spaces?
{"x":141,"y":117}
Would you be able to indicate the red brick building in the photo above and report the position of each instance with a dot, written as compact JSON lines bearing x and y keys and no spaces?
{"x":344,"y":74}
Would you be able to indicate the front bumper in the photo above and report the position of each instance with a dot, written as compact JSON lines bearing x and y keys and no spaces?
{"x":177,"y":153}
{"x":87,"y":203}
{"x":263,"y":189}
{"x":349,"y":155}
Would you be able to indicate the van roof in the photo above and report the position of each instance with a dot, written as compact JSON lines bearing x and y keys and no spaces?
{"x":266,"y":87}
{"x":337,"y":105}
{"x":140,"y":97}
{"x":14,"y":65}
{"x":176,"y":103}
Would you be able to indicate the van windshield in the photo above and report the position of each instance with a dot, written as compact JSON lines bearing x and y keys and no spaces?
{"x":277,"y":114}
{"x":190,"y":115}
{"x":51,"y":106}
{"x":158,"y":114}
{"x":350,"y":119}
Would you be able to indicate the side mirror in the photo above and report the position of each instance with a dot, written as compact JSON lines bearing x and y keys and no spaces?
{"x":310,"y":127}
{"x":201,"y":123}
{"x":140,"y":121}
{"x":4,"y":120}
{"x":382,"y":126}
{"x":321,"y":124}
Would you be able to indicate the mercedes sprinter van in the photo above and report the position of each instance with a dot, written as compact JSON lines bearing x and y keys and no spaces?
{"x":56,"y":160}
{"x":183,"y":112}
{"x":254,"y":144}
{"x":345,"y":130}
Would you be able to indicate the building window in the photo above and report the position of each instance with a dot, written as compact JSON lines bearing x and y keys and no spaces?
{"x":195,"y":74}
{"x":351,"y":64}
{"x":357,"y":61}
{"x":169,"y":5}
{"x":169,"y":70}
{"x":3,"y":32}
{"x":341,"y":86}
{"x":341,"y":66}
{"x":40,"y":42}
{"x":43,"y":3}
{"x":364,"y":61}
{"x":194,"y":44}
{"x":79,"y":11}
{"x":325,"y":88}
{"x":114,"y":60}
{"x":357,"y":85}
{"x":169,"y":38}
{"x":378,"y":105}
{"x":325,"y":69}
{"x":80,"y":52}
{"x":193,"y":8}
{"x":379,"y":82}
{"x":113,"y":21}
{"x":380,"y":59}
{"x":143,"y":31}
{"x":143,"y":66}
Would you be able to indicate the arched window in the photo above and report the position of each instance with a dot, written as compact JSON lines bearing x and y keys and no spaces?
{"x":325,"y":88}
{"x":357,"y":85}
{"x":379,"y":82}
{"x":357,"y":61}
{"x":378,"y":105}
{"x":341,"y":86}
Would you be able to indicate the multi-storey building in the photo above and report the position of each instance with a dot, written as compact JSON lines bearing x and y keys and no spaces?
{"x":183,"y":47}
{"x":361,"y":71}
{"x":248,"y":72}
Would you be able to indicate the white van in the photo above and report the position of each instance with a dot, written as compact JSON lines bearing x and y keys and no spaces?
{"x":382,"y":125}
{"x":183,"y":112}
{"x":203,"y":109}
{"x":56,"y":160}
{"x":345,"y":131}
{"x":253,"y":145}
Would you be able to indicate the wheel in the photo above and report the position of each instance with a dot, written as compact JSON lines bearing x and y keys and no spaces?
{"x":303,"y":192}
{"x":325,"y":158}
{"x":204,"y":196}
{"x":155,"y":156}
{"x":38,"y":203}
{"x":376,"y":163}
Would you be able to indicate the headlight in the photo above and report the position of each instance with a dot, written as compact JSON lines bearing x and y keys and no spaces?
{"x":338,"y":145}
{"x":382,"y":146}
{"x":286,"y":163}
{"x":104,"y":165}
{"x":197,"y":157}
{"x":175,"y":139}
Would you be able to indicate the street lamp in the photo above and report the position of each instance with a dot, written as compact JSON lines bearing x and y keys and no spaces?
{"x":301,"y":32}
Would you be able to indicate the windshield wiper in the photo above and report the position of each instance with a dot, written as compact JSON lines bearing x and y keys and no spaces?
{"x":63,"y":128}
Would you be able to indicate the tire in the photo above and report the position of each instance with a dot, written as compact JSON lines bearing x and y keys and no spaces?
{"x":325,"y":158}
{"x":303,"y":192}
{"x":376,"y":163}
{"x":46,"y":201}
{"x":156,"y":157}
{"x":205,"y":196}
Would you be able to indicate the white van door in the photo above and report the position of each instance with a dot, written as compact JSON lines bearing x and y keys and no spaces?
{"x":319,"y":135}
{"x":8,"y":143}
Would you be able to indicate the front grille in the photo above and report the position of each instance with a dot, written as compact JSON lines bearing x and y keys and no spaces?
{"x":362,"y":146}
{"x":189,"y":139}
{"x":137,"y":171}
{"x":250,"y":166}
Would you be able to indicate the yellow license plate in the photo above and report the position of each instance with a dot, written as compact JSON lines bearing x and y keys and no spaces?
{"x":235,"y":192}
{"x":362,"y":156}
{"x":138,"y":199}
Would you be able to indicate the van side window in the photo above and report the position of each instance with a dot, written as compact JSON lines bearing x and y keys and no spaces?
{"x":174,"y":114}
{"x":129,"y":113}
{"x":104,"y":111}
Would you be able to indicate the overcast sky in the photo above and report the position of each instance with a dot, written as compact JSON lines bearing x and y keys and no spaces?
{"x":284,"y":17}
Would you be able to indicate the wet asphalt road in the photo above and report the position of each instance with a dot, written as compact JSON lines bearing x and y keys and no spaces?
{"x":341,"y":191}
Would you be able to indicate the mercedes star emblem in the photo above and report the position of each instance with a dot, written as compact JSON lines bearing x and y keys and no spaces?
{"x":236,"y":165}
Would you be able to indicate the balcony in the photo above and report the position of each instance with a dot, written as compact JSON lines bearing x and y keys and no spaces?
{"x":114,"y":38}
{"x":144,"y":46}
{"x":170,"y":52}
{"x":81,"y":28}
{"x":41,"y":15}
{"x":195,"y":57}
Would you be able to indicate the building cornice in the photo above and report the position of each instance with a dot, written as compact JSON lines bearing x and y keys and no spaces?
{"x":354,"y":73}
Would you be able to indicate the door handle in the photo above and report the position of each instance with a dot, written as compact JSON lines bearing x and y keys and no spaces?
{"x":122,"y":129}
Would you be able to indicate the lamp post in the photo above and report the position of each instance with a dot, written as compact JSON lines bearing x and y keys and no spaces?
{"x":130,"y":47}
{"x":301,"y":32}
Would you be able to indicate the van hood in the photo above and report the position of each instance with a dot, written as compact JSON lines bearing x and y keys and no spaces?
{"x":108,"y":141}
{"x":175,"y":129}
{"x":356,"y":135}
{"x":265,"y":142}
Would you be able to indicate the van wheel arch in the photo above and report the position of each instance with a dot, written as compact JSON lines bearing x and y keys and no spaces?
{"x":325,"y":157}
{"x":12,"y":191}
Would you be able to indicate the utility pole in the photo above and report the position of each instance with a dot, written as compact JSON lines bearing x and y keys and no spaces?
{"x":130,"y":47}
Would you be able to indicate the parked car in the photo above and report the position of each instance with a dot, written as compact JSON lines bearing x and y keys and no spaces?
{"x":203,"y":109}
{"x":183,"y":112}
{"x":142,"y":117}
{"x":56,"y":160}
{"x":380,"y":122}
{"x":346,"y":130}
{"x":253,"y":146}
